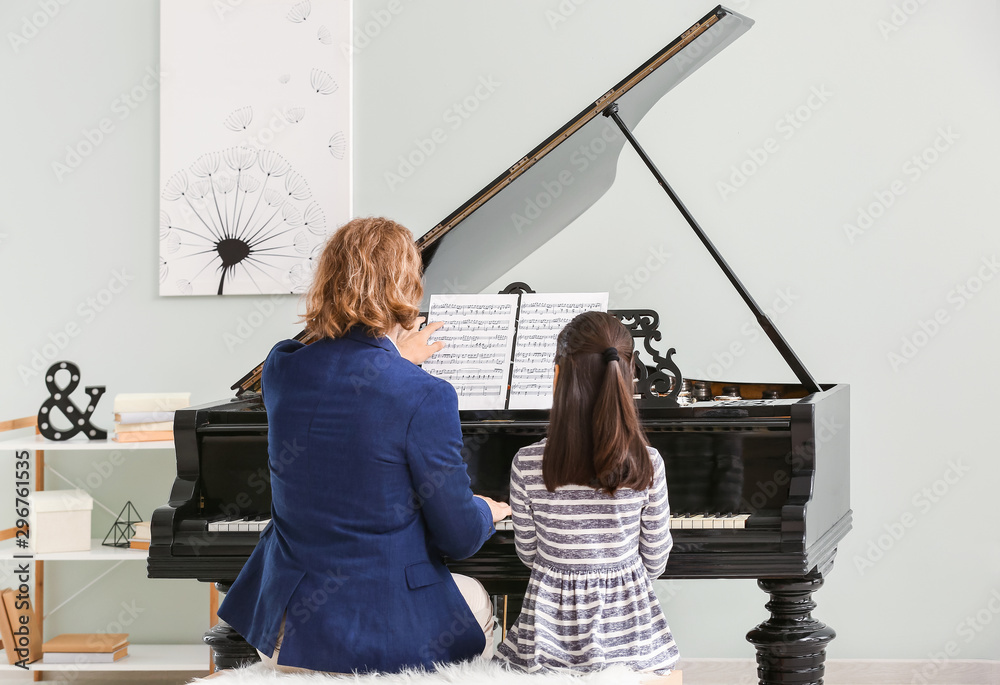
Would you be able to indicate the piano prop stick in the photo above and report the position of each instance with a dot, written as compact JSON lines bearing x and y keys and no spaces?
{"x":759,"y":479}
{"x":765,"y":322}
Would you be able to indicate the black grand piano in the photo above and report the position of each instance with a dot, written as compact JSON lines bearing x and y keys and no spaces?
{"x":758,"y":474}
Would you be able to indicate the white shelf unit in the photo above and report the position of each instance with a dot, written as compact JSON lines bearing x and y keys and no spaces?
{"x":37,"y":442}
{"x":141,"y":657}
{"x":97,"y":552}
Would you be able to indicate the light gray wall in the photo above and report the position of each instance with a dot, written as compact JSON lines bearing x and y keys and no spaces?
{"x":919,"y":574}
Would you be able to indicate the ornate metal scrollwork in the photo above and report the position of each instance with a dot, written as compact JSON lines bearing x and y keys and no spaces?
{"x":661,"y":386}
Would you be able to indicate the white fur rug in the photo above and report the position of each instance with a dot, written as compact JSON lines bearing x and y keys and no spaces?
{"x":473,"y":673}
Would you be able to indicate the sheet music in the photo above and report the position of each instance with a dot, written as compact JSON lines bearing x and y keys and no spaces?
{"x":541,"y":318}
{"x":478,"y":333}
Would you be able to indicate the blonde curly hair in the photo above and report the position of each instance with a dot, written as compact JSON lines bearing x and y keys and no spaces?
{"x":368,"y":274}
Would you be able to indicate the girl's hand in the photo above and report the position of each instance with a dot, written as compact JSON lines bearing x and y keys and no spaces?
{"x":500,"y":510}
{"x":412,"y":343}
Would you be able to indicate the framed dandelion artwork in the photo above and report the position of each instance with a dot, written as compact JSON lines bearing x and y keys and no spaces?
{"x":255,"y":131}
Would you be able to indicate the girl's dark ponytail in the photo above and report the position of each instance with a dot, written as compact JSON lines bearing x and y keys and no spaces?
{"x":595,"y":437}
{"x":620,"y":456}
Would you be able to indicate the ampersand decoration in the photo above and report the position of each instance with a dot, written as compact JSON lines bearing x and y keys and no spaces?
{"x":59,"y":399}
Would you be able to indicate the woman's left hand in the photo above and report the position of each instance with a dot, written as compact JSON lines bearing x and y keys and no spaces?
{"x":412,"y":342}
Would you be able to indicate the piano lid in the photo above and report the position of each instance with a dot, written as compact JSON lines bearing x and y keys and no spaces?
{"x":556,"y":182}
{"x":567,"y":173}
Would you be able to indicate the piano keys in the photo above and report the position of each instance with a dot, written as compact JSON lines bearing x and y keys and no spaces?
{"x":712,"y":521}
{"x":237,"y":524}
{"x":758,"y":486}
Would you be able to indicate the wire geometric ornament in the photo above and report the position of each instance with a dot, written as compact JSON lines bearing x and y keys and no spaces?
{"x":123,"y":530}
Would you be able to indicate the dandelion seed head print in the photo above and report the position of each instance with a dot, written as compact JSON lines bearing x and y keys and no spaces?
{"x":240,"y":213}
{"x":255,"y":152}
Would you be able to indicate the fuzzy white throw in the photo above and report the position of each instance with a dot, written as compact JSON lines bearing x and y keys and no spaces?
{"x":469,"y":673}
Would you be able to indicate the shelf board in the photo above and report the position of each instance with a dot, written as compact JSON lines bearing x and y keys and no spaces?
{"x":37,"y":442}
{"x":140,"y":658}
{"x":97,"y":552}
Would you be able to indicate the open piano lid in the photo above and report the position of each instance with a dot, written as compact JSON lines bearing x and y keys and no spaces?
{"x":495,"y":223}
{"x":512,"y":216}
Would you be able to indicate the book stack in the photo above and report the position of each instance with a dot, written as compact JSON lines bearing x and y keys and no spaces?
{"x":85,"y":648}
{"x":20,"y":631}
{"x":141,"y":538}
{"x":146,"y":417}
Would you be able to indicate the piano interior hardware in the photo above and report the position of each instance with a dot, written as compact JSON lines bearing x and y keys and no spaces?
{"x":779,"y":458}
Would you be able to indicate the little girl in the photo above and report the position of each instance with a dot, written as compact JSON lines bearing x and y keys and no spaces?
{"x":591,"y":518}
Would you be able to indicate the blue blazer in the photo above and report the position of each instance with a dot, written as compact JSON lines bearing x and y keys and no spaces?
{"x":368,"y":491}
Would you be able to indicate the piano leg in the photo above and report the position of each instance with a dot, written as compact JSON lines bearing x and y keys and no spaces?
{"x":791,"y":645}
{"x":229,"y":649}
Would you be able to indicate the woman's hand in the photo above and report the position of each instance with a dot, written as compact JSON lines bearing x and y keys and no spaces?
{"x":500,"y":510}
{"x":412,"y":342}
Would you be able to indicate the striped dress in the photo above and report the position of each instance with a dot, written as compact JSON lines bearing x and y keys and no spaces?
{"x":589,"y":602}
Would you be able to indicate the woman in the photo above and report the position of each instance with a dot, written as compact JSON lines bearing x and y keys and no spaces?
{"x":368,"y":486}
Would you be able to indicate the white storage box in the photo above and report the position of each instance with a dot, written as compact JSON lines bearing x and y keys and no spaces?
{"x":59,"y":521}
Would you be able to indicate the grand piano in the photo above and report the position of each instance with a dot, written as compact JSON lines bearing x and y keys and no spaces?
{"x":758,"y":473}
